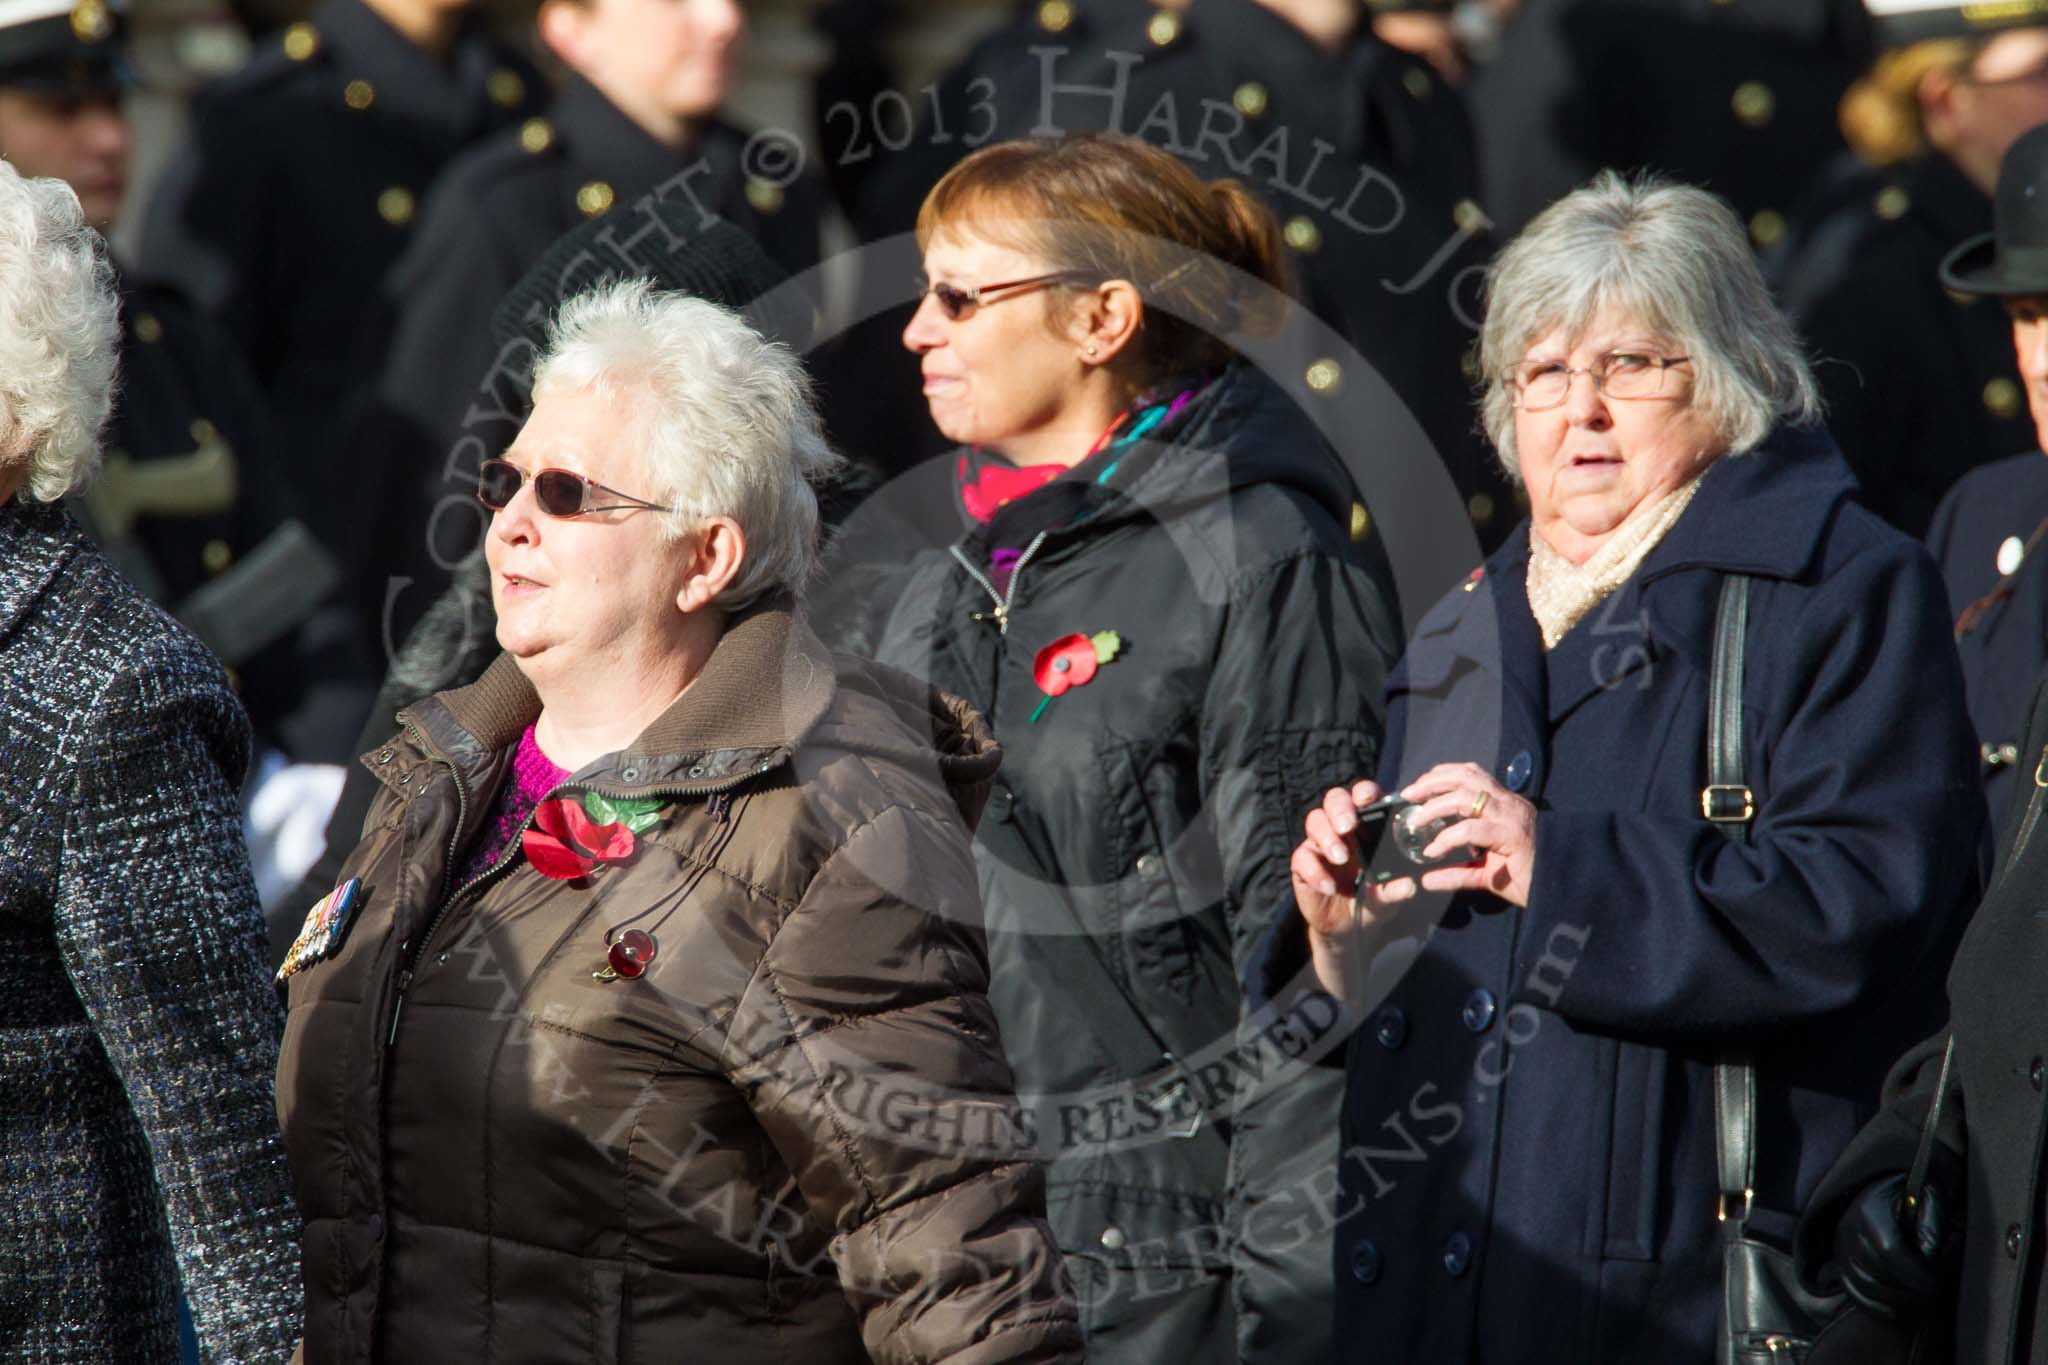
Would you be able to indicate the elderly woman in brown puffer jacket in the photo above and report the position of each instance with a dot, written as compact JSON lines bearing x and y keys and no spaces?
{"x":649,"y":1021}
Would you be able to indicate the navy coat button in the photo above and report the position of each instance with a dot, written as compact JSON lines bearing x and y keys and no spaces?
{"x":1516,"y":775}
{"x":2012,"y":1241}
{"x":1390,"y":1026}
{"x":2037,"y":1073}
{"x":1479,"y":1010}
{"x":999,"y":803}
{"x":1365,"y":1263}
{"x":1457,"y":1255}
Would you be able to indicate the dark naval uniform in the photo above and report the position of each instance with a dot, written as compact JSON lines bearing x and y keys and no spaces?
{"x":1736,"y":95}
{"x":1988,"y":536}
{"x":445,"y":401}
{"x":1920,"y":382}
{"x":1363,"y":153}
{"x":298,"y":191}
{"x":191,"y":507}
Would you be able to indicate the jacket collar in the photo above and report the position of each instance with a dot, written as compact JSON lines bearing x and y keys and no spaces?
{"x":1765,"y":513}
{"x":607,"y":145}
{"x":410,"y":81}
{"x":37,"y":539}
{"x":763,"y":690}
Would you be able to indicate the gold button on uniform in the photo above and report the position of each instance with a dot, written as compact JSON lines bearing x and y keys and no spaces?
{"x":90,"y":20}
{"x":536,"y":135}
{"x":147,"y":328}
{"x":359,"y":95}
{"x":764,"y":195}
{"x":2002,"y":397}
{"x":216,"y":556}
{"x":1250,"y":99}
{"x":1754,"y":104}
{"x":505,"y":87}
{"x":1417,"y":83}
{"x":1361,"y":522}
{"x":1767,"y":229}
{"x":594,"y":199}
{"x":1164,"y":28}
{"x":301,"y":41}
{"x":1891,"y":203}
{"x":1468,"y":216}
{"x":1055,"y":15}
{"x":1326,"y":376}
{"x":395,"y":206}
{"x":1480,"y":508}
{"x":1302,"y":234}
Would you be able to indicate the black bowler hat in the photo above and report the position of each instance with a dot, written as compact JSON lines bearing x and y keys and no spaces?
{"x":2012,"y":258}
{"x":62,"y":47}
{"x":1899,"y":23}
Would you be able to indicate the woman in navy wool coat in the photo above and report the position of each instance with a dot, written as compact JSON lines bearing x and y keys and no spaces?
{"x":1529,"y":1157}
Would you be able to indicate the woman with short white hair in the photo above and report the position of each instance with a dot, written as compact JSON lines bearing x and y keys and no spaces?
{"x":1588,"y":922}
{"x":603,"y":1047}
{"x":138,"y":1140}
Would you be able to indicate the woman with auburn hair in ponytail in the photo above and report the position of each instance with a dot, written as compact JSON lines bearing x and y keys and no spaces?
{"x":1145,"y":566}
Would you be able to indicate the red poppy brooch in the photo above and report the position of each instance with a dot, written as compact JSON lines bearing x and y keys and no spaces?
{"x":568,"y":838}
{"x":1071,"y":661}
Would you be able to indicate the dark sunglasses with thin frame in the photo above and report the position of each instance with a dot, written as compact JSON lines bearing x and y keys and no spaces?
{"x":956,"y":303}
{"x":557,"y":492}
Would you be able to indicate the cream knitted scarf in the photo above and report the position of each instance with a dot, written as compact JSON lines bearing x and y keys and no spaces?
{"x":1561,"y":592}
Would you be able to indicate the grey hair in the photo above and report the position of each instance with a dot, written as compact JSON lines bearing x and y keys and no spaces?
{"x":59,"y":335}
{"x":1676,"y":260}
{"x":727,"y":422}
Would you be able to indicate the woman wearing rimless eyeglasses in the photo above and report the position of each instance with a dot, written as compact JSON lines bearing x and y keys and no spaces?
{"x":1146,"y":575}
{"x":604,"y":1046}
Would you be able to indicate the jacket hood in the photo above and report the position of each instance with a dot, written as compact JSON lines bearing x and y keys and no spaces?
{"x":1244,"y":432}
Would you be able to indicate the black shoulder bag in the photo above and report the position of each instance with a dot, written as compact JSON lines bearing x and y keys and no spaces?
{"x":1767,"y":1315}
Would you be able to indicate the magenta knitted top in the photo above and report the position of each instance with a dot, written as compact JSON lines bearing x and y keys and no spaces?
{"x":532,"y":778}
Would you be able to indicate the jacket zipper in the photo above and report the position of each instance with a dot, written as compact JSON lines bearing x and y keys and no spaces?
{"x":720,"y":805}
{"x":1002,"y":601}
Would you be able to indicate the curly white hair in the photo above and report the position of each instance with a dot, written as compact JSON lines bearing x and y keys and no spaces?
{"x":59,"y":336}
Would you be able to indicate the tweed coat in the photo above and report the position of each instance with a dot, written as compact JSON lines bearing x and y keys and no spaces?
{"x":138,"y":1032}
{"x":1528,"y":1164}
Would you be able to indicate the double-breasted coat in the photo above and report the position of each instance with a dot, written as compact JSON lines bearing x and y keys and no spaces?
{"x":1987,"y":536}
{"x":1528,"y":1168}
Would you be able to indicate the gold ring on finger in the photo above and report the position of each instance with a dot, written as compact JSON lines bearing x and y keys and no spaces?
{"x":1479,"y":804}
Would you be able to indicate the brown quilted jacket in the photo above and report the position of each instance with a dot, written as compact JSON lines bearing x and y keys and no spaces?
{"x":792,"y":1139}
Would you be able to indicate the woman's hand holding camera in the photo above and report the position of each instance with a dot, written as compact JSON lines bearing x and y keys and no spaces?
{"x":1497,"y":827}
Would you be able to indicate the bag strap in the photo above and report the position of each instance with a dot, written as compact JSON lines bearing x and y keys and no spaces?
{"x":1730,"y":805}
{"x":1916,"y":1179}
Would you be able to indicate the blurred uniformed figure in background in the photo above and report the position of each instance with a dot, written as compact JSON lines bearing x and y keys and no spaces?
{"x":1989,"y":532}
{"x":1738,"y":96}
{"x":638,"y":117}
{"x":1918,"y":379}
{"x":1362,"y":149}
{"x":298,"y":190}
{"x":190,"y":504}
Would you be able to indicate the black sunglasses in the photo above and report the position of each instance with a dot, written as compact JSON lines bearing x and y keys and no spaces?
{"x":559,"y":492}
{"x":956,"y":303}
